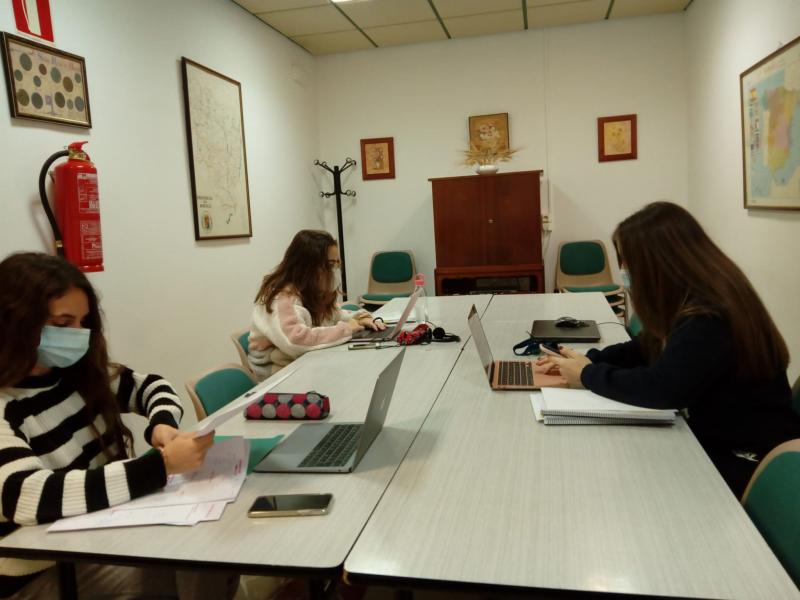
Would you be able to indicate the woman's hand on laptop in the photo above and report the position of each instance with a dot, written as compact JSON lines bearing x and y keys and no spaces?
{"x":570,"y":364}
{"x":355,"y":325}
{"x":369,"y":322}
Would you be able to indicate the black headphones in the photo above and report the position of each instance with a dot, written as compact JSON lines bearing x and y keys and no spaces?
{"x":440,"y":335}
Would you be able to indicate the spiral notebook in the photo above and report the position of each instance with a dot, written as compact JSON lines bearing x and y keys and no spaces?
{"x":557,"y":406}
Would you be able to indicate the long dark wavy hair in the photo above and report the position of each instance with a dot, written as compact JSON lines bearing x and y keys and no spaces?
{"x":28,"y":282}
{"x":305,"y":271}
{"x":676,"y":271}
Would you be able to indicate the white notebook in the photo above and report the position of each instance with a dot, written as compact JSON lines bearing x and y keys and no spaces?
{"x":561,"y":406}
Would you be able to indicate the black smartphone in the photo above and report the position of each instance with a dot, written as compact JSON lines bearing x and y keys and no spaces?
{"x":550,"y":348}
{"x":290,"y":505}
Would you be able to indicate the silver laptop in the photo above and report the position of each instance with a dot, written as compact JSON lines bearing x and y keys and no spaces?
{"x":388,"y":334}
{"x":335,"y":447}
{"x":509,"y":374}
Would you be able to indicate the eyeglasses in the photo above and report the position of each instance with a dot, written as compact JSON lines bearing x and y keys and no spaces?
{"x":334,"y":263}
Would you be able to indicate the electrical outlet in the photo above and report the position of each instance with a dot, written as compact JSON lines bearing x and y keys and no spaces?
{"x":547,"y":224}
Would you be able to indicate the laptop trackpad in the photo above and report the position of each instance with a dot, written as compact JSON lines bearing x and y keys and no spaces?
{"x":294,"y":449}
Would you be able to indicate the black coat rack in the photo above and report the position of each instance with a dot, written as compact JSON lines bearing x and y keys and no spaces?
{"x":337,"y":191}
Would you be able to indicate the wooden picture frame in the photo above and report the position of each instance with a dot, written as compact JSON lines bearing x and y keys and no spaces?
{"x":489,"y":132}
{"x":377,"y":158}
{"x":770,"y":143}
{"x":217,"y":153}
{"x":45,"y":84}
{"x":616,"y":138}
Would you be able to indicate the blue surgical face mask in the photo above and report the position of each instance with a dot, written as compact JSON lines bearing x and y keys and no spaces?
{"x":62,"y":346}
{"x":626,"y":279}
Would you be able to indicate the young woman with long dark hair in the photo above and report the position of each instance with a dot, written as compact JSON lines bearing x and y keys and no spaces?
{"x":64,"y":449}
{"x":708,"y":346}
{"x":296,"y":307}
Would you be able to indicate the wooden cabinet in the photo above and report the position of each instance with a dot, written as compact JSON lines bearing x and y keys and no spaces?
{"x":487,"y":227}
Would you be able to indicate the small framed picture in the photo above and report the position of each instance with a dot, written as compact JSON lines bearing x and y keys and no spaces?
{"x":489,"y":132}
{"x":616,"y":138}
{"x":44,"y":83}
{"x":377,"y":158}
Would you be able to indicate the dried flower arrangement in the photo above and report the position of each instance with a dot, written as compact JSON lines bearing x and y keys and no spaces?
{"x":487,"y":154}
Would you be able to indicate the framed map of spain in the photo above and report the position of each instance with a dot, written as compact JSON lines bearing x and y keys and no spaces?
{"x":770,"y":97}
{"x":217,"y":155}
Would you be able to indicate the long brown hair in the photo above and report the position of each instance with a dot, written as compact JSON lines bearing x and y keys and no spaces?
{"x":677,"y":271}
{"x":304,"y":271}
{"x":28,"y":282}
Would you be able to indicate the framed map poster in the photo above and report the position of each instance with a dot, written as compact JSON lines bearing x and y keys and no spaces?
{"x":217,"y":155}
{"x":770,"y":104}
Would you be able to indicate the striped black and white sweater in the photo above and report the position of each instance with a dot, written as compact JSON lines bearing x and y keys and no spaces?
{"x":52,"y":465}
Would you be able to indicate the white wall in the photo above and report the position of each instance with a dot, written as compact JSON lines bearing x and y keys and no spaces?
{"x":553,"y":83}
{"x":725,"y":37}
{"x":170,"y":302}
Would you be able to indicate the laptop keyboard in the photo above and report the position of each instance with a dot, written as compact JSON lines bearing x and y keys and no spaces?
{"x":516,"y":373}
{"x":371,"y":335}
{"x":336,"y":448}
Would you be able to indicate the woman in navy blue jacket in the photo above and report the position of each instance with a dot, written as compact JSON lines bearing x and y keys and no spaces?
{"x":708,"y":346}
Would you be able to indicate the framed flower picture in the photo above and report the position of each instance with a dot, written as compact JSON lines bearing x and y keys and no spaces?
{"x":377,"y":158}
{"x":616,"y":138}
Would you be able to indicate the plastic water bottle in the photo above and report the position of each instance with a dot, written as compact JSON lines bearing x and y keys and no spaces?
{"x":422,"y":302}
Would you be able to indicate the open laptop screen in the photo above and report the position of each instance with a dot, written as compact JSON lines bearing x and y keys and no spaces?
{"x":481,"y":343}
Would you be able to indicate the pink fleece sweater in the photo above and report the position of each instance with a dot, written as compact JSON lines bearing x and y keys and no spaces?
{"x":279,"y":337}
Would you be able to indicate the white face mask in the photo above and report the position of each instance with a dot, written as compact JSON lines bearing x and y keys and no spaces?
{"x":336,"y":280}
{"x":62,"y":346}
{"x":626,"y":279}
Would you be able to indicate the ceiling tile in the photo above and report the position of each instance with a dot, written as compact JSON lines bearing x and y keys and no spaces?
{"x":568,"y":13}
{"x":407,"y":33}
{"x":636,"y":8}
{"x":331,"y":43}
{"x":257,"y":6}
{"x":307,"y":21}
{"x":377,"y":13}
{"x":463,"y":8}
{"x":487,"y":24}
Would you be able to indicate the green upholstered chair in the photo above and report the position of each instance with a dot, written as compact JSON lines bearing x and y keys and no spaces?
{"x":772,"y":499}
{"x":240,"y":341}
{"x":216,"y":388}
{"x":391,"y":274}
{"x":583,"y":267}
{"x":350,"y":306}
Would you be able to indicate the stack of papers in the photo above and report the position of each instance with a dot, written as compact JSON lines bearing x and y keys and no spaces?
{"x":187,"y":499}
{"x":557,"y":406}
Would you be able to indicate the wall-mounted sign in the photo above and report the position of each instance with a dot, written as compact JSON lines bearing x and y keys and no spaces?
{"x":33,"y":18}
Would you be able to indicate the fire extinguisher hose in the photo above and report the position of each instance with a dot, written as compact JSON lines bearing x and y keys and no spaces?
{"x":46,"y":203}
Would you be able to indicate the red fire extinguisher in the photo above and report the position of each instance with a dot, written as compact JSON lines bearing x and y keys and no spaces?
{"x":76,"y":226}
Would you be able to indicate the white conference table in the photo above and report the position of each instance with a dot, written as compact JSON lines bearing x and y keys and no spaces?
{"x":489,"y":498}
{"x":308,"y":546}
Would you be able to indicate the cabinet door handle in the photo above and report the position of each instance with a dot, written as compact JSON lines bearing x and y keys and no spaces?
{"x":491,"y":220}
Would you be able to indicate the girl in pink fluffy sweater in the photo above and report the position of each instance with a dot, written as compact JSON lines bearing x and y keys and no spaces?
{"x":296,"y":307}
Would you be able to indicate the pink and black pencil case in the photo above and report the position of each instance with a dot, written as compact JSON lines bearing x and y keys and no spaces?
{"x":285,"y":405}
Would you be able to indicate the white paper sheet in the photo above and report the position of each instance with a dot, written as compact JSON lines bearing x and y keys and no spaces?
{"x":212,"y":421}
{"x":186,"y":499}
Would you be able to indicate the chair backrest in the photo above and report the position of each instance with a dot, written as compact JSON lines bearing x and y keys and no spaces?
{"x":240,"y":341}
{"x":392,"y":272}
{"x":216,"y":388}
{"x":772,"y":499}
{"x":583,"y":263}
